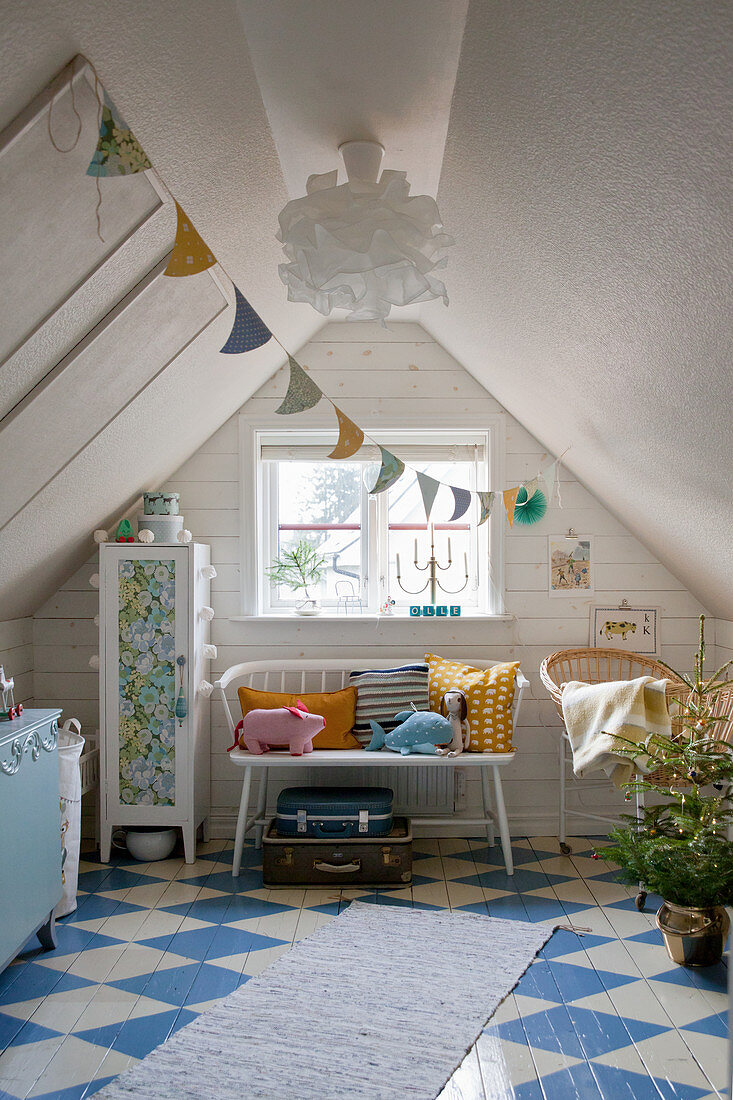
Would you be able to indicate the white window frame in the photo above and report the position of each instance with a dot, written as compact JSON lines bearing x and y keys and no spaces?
{"x":255,"y":552}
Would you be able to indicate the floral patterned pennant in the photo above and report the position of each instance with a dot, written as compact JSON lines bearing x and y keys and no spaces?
{"x":118,"y":151}
{"x":391,"y":470}
{"x":486,"y":501}
{"x":303,"y":393}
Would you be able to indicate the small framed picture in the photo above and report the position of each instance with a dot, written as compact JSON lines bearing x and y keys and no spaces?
{"x":570,"y":566}
{"x":633,"y":629}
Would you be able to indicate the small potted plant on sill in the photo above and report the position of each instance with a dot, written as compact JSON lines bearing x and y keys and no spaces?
{"x":679,"y":849}
{"x":297,"y":569}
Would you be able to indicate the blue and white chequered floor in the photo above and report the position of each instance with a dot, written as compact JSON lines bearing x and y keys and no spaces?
{"x":605,"y":1014}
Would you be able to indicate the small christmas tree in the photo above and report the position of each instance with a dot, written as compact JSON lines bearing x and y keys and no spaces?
{"x":679,"y":849}
{"x":297,"y":568}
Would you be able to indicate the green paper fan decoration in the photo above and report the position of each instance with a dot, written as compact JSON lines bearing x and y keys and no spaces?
{"x":529,"y":510}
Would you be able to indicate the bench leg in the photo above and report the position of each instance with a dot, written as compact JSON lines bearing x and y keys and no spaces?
{"x":506,"y":843}
{"x":241,"y":821}
{"x":486,"y":796}
{"x":261,"y":805}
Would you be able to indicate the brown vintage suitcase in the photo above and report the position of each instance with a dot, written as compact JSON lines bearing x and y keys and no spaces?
{"x":383,"y":861}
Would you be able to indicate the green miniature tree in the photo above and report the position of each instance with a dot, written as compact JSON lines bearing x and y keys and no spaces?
{"x":679,"y":848}
{"x":297,"y":568}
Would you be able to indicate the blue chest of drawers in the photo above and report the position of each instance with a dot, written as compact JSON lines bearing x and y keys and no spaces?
{"x":30,"y":838}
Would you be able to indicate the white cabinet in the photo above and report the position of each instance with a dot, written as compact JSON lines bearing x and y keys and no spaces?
{"x":155,"y":735}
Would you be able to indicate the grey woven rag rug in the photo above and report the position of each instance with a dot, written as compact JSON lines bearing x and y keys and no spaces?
{"x":382,"y":1003}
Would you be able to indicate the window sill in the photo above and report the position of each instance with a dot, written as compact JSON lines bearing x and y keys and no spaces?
{"x":291,"y":616}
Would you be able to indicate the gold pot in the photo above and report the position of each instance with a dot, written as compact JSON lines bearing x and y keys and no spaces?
{"x":693,"y":937}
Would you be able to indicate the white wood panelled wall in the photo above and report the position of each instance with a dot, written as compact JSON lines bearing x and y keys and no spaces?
{"x":724,"y":642}
{"x":400,"y":373}
{"x":16,"y":656}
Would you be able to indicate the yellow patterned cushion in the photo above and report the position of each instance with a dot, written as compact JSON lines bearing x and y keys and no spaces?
{"x":489,"y":694}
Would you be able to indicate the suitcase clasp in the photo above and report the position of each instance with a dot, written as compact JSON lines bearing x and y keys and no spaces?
{"x":389,"y":859}
{"x":363,"y":821}
{"x":286,"y":859}
{"x":302,"y":817}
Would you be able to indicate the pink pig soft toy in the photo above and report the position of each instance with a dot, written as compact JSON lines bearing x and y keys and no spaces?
{"x":294,"y":726}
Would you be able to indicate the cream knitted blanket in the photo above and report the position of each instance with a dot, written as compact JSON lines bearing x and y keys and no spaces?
{"x":597,"y":714}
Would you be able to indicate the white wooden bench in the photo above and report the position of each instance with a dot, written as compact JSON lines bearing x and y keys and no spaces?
{"x":331,"y":675}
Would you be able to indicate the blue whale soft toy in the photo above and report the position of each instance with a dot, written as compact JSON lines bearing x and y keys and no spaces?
{"x":419,"y":731}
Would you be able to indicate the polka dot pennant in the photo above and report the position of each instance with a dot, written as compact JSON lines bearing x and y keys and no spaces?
{"x":428,"y":488}
{"x":249,"y":331}
{"x":303,"y":393}
{"x":392,"y":469}
{"x":462,"y":498}
{"x":190,"y":253}
{"x":510,"y":500}
{"x":486,"y":500}
{"x":350,"y":437}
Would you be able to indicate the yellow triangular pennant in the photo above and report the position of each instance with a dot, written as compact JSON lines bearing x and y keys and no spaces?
{"x":350,"y":438}
{"x":190,"y":253}
{"x":510,"y":500}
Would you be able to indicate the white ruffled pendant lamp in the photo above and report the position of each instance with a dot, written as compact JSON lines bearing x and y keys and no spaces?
{"x":365,"y":245}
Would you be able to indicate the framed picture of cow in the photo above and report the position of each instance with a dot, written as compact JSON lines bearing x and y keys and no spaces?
{"x":634,"y":629}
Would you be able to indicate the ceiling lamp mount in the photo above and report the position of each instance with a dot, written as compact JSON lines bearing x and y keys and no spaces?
{"x":362,"y":160}
{"x":365,"y":245}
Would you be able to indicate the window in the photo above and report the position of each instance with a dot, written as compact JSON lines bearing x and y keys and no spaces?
{"x":300,"y":494}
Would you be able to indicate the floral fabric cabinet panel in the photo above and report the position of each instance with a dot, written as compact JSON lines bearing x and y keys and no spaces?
{"x":147,"y":680}
{"x":155,"y":756}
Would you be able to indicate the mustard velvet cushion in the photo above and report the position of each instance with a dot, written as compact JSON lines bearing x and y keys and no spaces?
{"x":489,"y":696}
{"x":337,"y":707}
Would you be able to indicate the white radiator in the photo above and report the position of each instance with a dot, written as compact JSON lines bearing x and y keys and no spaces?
{"x":418,"y":791}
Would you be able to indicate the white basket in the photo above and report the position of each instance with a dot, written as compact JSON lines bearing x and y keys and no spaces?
{"x":89,"y":763}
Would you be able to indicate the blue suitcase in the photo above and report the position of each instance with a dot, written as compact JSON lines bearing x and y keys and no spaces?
{"x":334,"y":811}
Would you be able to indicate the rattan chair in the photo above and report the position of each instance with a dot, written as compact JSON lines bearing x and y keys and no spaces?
{"x":599,"y":666}
{"x":592,"y":666}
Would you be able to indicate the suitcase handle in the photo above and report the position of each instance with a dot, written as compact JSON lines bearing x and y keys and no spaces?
{"x":337,"y":868}
{"x":320,"y":829}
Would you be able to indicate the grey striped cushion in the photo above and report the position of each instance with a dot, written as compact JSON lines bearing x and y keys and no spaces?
{"x":383,"y":692}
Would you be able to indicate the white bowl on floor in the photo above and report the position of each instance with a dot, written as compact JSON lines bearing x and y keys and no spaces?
{"x":150,"y":844}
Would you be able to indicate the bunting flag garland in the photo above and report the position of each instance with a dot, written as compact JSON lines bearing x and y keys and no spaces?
{"x":350,"y":437}
{"x":462,"y":498}
{"x":510,"y":500}
{"x":548,"y":476}
{"x":530,"y":507}
{"x":190,"y":253}
{"x":392,"y":469}
{"x":118,"y":151}
{"x":249,"y":331}
{"x":428,"y":488}
{"x":486,"y":500}
{"x":303,"y":393}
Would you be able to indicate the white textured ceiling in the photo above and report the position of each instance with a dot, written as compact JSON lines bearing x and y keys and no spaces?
{"x":343,"y":70}
{"x":585,"y":178}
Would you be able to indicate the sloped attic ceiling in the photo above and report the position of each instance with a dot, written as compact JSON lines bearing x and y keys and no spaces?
{"x":585,"y":178}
